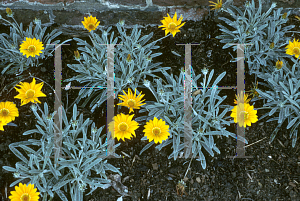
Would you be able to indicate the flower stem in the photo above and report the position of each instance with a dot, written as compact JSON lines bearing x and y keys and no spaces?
{"x":12,"y":25}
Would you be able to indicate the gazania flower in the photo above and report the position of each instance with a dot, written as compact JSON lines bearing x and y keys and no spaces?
{"x":156,"y":130}
{"x":244,"y":112}
{"x":131,"y":101}
{"x":217,"y":5}
{"x":238,"y":98}
{"x":31,"y":47}
{"x":1,"y":125}
{"x":123,"y":127}
{"x":293,"y":48}
{"x":171,"y":25}
{"x":279,"y":65}
{"x":30,"y":92}
{"x":90,"y":23}
{"x":8,"y":112}
{"x":24,"y":193}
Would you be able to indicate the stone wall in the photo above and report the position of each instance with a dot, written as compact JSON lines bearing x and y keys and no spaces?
{"x":68,"y":14}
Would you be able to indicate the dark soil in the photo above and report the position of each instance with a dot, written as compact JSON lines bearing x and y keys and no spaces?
{"x":272,"y":173}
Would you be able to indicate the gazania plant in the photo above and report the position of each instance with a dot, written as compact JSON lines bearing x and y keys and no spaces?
{"x":132,"y":63}
{"x":21,"y":49}
{"x":81,"y":165}
{"x":268,"y":45}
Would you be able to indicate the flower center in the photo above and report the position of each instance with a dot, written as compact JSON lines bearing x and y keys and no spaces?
{"x":4,"y":112}
{"x":131,"y":102}
{"x":123,"y":126}
{"x":30,"y":93}
{"x":172,"y":26}
{"x":296,"y":50}
{"x":25,"y":197}
{"x":219,"y":5}
{"x":244,"y":115}
{"x":156,"y":131}
{"x":31,"y":48}
{"x":91,"y":26}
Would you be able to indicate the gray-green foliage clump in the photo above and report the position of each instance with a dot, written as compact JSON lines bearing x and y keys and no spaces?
{"x":282,"y":97}
{"x":129,"y":70}
{"x":68,"y":170}
{"x":258,"y":30}
{"x":12,"y":60}
{"x":266,"y":33}
{"x":208,"y":114}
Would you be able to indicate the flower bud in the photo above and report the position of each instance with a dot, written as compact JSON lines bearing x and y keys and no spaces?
{"x":271,"y":45}
{"x":16,"y":175}
{"x":77,"y":55}
{"x":279,"y":65}
{"x":121,"y":22}
{"x":147,"y":83}
{"x":128,"y":59}
{"x":9,"y":12}
{"x":284,"y":15}
{"x":149,"y":58}
{"x":33,"y":107}
{"x":204,"y":71}
{"x":37,"y":21}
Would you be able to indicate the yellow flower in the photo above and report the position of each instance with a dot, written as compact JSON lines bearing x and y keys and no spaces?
{"x":293,"y":48}
{"x":156,"y":130}
{"x":246,"y":100}
{"x":90,"y":23}
{"x":123,"y":127}
{"x":171,"y":25}
{"x":297,"y":17}
{"x":31,"y":47}
{"x":217,"y":5}
{"x":29,"y":92}
{"x":8,"y":111}
{"x":1,"y":125}
{"x":131,"y":101}
{"x":279,"y":65}
{"x":244,"y":112}
{"x":24,"y":193}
